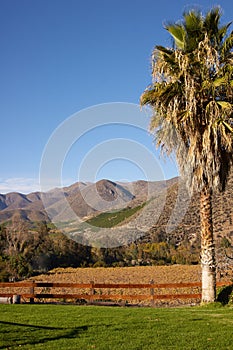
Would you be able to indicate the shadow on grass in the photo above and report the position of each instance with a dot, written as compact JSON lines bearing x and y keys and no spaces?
{"x":27,"y":334}
{"x":225,"y":295}
{"x":29,"y":325}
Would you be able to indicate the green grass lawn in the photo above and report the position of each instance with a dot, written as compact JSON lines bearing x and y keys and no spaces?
{"x":94,"y":327}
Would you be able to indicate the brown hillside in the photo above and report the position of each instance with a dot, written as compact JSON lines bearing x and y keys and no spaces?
{"x":169,"y":213}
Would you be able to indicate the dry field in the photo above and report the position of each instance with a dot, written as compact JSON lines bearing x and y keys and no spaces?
{"x":132,"y":275}
{"x":138,"y":274}
{"x":128,"y":275}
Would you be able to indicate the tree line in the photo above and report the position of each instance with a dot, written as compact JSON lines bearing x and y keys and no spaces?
{"x":25,"y":252}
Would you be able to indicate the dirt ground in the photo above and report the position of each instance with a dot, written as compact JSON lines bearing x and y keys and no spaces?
{"x":137,"y":274}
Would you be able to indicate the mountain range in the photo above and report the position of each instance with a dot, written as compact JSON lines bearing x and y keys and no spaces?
{"x":85,"y":199}
{"x":111,"y":213}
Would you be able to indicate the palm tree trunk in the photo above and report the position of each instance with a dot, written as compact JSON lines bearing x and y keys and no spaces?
{"x":207,"y":248}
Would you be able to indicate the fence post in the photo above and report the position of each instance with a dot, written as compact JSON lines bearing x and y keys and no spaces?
{"x":152,"y":292}
{"x":32,"y":292}
{"x":92,"y":291}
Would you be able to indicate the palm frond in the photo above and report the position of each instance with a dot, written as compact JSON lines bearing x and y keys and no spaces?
{"x":228,"y":126}
{"x":211,"y":21}
{"x":224,"y":104}
{"x":193,"y":22}
{"x":178,"y":33}
{"x":220,"y":81}
{"x":164,"y":50}
{"x":227,"y":46}
{"x":192,"y":98}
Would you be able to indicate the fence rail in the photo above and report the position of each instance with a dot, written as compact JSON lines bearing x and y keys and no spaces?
{"x":94,"y":291}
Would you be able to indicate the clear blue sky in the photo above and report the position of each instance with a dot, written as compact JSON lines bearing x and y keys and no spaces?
{"x":61,"y":56}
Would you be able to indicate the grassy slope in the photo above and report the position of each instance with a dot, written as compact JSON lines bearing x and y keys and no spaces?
{"x":102,"y":328}
{"x":114,"y":218}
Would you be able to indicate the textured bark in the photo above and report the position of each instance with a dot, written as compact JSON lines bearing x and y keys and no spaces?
{"x":207,"y":248}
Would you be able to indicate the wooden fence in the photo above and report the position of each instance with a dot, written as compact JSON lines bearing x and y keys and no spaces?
{"x":93,"y":292}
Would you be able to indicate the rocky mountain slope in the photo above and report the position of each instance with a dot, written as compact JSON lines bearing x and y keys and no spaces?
{"x":84,"y":199}
{"x":163,"y":210}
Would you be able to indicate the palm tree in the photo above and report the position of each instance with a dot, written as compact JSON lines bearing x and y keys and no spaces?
{"x":191,"y":96}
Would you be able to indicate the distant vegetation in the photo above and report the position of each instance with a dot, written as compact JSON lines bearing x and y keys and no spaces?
{"x":114,"y":218}
{"x":25,"y":251}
